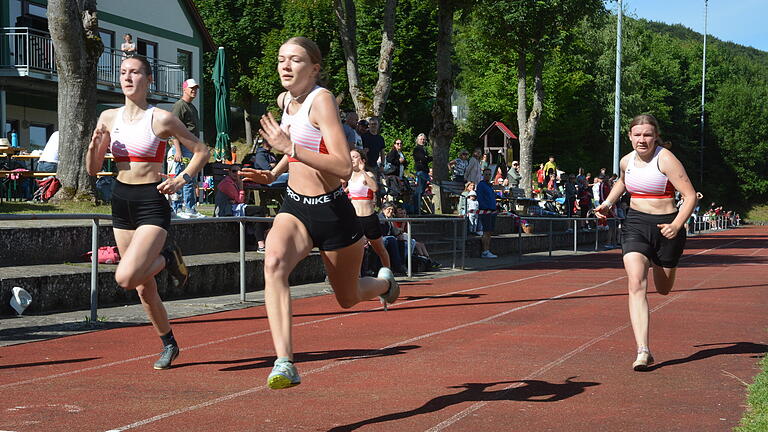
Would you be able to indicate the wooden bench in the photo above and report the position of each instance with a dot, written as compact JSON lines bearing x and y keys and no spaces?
{"x":261,"y":195}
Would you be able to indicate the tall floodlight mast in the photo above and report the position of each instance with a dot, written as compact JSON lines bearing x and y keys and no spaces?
{"x":617,"y":98}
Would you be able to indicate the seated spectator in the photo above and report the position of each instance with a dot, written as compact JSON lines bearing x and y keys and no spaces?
{"x":49,"y":160}
{"x":390,"y":234}
{"x":230,"y":201}
{"x":263,"y":159}
{"x":416,"y":248}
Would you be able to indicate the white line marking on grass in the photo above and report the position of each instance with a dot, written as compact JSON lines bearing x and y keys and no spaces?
{"x":229,"y":339}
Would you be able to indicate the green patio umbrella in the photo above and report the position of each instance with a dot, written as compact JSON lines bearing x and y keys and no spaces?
{"x":221,"y":83}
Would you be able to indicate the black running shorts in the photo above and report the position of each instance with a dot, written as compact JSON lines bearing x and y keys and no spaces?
{"x":330,"y":218}
{"x":640,"y":233}
{"x":371,"y":226}
{"x":137,"y":205}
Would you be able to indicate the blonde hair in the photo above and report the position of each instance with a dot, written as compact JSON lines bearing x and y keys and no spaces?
{"x":313,"y":51}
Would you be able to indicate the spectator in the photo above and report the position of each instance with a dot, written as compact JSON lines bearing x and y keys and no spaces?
{"x":128,"y":47}
{"x":395,"y":160}
{"x":474,"y":172}
{"x":264,"y":159}
{"x":391,"y":234}
{"x":596,"y":188}
{"x":541,"y":176}
{"x":580,"y":177}
{"x":417,"y":248}
{"x":186,"y":206}
{"x":373,"y":144}
{"x":350,"y":131}
{"x":230,"y":201}
{"x":49,"y":159}
{"x":487,"y":201}
{"x":514,"y":175}
{"x":550,"y":165}
{"x":468,"y":187}
{"x":421,"y":160}
{"x":570,"y":195}
{"x":459,"y":166}
{"x":472,"y":207}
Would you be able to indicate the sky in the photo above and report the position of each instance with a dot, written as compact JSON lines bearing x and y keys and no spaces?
{"x":744,"y":22}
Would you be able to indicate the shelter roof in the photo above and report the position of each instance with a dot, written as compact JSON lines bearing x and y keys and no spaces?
{"x":502,"y":127}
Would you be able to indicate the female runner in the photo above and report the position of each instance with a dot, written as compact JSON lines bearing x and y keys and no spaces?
{"x":136,"y":134}
{"x":361,"y":189}
{"x":316,"y":212}
{"x":652,"y":234}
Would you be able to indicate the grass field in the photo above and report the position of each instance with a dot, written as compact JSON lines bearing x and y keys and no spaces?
{"x":28,"y":207}
{"x":758,"y":213}
{"x":756,"y":417}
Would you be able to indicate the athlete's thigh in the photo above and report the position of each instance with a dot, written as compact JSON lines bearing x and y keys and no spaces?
{"x":288,"y":240}
{"x":139,"y":248}
{"x":636,"y":265}
{"x":343,"y":265}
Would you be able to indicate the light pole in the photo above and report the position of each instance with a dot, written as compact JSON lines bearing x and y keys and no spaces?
{"x":703,"y":85}
{"x":617,"y":98}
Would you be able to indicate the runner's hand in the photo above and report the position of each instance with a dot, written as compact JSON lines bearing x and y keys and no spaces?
{"x":257,"y":176}
{"x":272,"y":132}
{"x":100,"y":137}
{"x":170,"y":184}
{"x":602,"y":211}
{"x":668,"y":230}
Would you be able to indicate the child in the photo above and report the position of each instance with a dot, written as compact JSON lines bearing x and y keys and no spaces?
{"x":472,"y":207}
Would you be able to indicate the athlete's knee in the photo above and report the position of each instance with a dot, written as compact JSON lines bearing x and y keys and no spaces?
{"x":275,"y":266}
{"x":346,"y":302}
{"x":125,"y":278}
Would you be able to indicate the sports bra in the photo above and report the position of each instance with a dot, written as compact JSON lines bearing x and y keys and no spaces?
{"x":303,"y":132}
{"x":136,"y":142}
{"x":359,"y":191}
{"x":647,"y":182}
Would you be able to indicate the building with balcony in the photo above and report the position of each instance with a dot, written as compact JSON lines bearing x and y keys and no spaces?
{"x":170,"y":33}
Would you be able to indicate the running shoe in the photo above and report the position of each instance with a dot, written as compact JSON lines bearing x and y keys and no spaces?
{"x":284,"y":375}
{"x":488,"y":254}
{"x":175,"y":264}
{"x":644,"y":359}
{"x":169,"y":354}
{"x":393,"y":292}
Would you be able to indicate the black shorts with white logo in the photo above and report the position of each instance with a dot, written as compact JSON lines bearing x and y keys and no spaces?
{"x":640,"y":233}
{"x":134,"y":205}
{"x":371,"y":226}
{"x":330,"y":218}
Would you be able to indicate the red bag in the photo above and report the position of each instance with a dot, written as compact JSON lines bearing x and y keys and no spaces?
{"x":107,"y":255}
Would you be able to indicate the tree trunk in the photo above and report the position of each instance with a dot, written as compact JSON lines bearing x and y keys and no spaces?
{"x":74,"y":29}
{"x":346,"y":18}
{"x":247,"y":119}
{"x":443,"y":128}
{"x":528,"y":122}
{"x":384,"y":83}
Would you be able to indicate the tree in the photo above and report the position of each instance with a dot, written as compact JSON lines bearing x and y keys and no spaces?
{"x":346,"y":17}
{"x":443,"y":128}
{"x":74,"y":29}
{"x":242,"y":27}
{"x":529,"y":30}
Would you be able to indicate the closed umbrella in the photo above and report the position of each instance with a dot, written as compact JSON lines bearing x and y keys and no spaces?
{"x":221,"y":83}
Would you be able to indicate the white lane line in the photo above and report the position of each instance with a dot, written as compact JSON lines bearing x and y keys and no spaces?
{"x":333,"y":365}
{"x":476,"y":406}
{"x":229,"y":339}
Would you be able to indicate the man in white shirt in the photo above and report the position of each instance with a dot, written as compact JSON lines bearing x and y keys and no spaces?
{"x":49,"y":159}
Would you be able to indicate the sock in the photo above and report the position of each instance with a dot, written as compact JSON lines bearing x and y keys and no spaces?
{"x":168,"y":339}
{"x":283,"y":360}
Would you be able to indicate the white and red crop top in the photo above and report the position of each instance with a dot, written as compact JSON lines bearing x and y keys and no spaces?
{"x":303,"y":132}
{"x":136,"y":142}
{"x":358,"y":190}
{"x":648,"y":181}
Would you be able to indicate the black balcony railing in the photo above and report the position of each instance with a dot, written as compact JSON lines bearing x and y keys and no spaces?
{"x":27,"y":51}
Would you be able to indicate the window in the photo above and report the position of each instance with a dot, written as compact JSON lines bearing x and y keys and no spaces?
{"x":36,"y":10}
{"x":184,"y":59}
{"x":107,"y":38}
{"x":10,"y":126}
{"x":38,"y":135}
{"x":147,"y":49}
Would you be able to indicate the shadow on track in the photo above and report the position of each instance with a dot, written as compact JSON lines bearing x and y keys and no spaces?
{"x":528,"y":391}
{"x":48,"y":363}
{"x":733,"y":348}
{"x":305,"y":357}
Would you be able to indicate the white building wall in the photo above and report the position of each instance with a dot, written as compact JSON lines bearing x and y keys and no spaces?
{"x":166,"y":14}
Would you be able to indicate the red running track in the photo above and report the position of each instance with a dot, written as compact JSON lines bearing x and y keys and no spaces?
{"x":541,"y":347}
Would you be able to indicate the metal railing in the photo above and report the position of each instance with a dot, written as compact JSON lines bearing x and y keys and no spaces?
{"x":28,"y":50}
{"x":459,"y":239}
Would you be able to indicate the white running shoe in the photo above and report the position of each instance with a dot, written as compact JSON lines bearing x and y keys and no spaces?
{"x":487,"y":254}
{"x":284,"y":375}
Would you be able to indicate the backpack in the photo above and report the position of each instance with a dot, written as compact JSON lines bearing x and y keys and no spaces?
{"x":46,"y":189}
{"x":106,"y":255}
